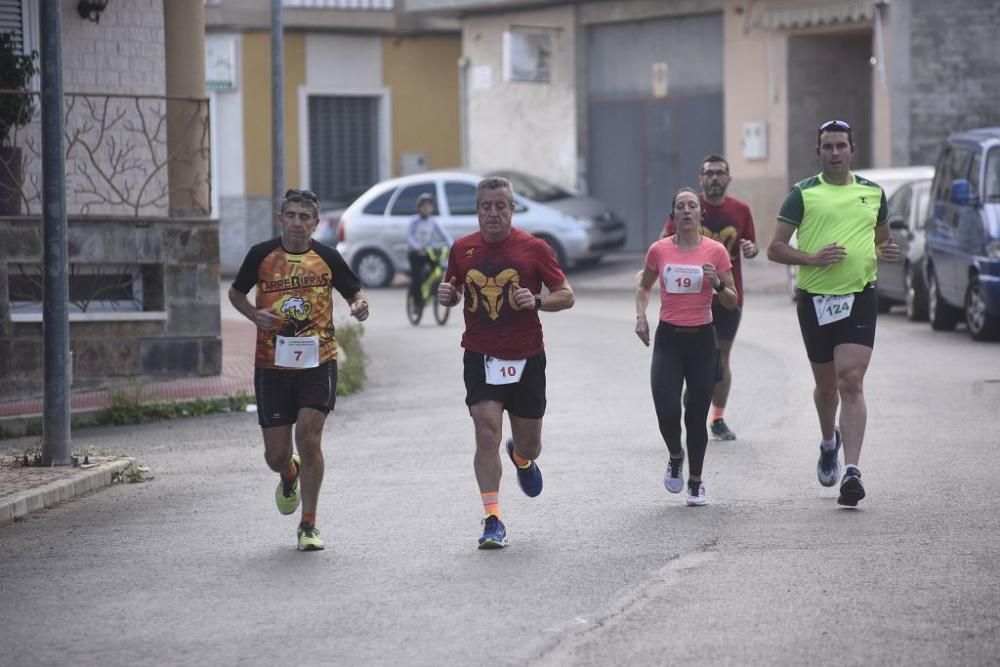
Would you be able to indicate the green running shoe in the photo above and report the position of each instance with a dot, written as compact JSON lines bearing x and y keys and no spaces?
{"x":309,"y":538}
{"x":286,"y":496}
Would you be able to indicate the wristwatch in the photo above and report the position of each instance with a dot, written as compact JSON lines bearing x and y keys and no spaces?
{"x":538,"y":302}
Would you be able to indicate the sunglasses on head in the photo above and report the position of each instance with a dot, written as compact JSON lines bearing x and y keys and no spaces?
{"x":835,"y":125}
{"x":305,"y":194}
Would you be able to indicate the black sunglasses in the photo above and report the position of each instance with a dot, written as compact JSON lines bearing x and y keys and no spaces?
{"x":306,"y":194}
{"x":837,"y":124}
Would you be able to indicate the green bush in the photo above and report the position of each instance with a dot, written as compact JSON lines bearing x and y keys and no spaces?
{"x":351,"y":374}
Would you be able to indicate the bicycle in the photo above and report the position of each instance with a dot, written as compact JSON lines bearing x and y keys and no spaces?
{"x":428,"y":289}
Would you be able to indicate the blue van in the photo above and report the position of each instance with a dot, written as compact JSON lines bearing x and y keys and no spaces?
{"x":962,"y":264}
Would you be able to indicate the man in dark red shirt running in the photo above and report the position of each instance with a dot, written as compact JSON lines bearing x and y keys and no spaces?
{"x":728,"y":221}
{"x":501,"y":271}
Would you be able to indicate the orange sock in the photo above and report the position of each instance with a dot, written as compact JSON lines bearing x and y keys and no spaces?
{"x":309,"y":518}
{"x":491,"y":503}
{"x":290,"y":472}
{"x":520,"y":461}
{"x":716,"y":412}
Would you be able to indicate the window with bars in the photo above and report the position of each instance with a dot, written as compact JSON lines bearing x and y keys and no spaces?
{"x":343,"y":147}
{"x":11,"y":20}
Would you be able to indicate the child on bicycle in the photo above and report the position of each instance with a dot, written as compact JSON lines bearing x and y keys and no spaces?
{"x":424,"y":232}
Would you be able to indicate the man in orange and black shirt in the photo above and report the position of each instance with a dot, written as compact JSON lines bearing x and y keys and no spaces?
{"x":501,"y":271}
{"x":295,"y":375}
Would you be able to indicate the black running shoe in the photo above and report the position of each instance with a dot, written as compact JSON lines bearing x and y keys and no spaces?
{"x":720,"y":431}
{"x":851,"y":488}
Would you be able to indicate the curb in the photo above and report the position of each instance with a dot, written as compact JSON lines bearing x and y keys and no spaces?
{"x":47,"y":495}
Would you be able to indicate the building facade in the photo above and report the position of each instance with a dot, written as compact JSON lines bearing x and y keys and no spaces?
{"x":369,"y":93}
{"x":621,"y":98}
{"x":143,"y":260}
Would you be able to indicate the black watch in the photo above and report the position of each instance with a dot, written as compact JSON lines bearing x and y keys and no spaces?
{"x":538,"y":302}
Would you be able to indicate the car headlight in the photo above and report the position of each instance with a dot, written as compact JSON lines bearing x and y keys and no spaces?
{"x":993,"y":249}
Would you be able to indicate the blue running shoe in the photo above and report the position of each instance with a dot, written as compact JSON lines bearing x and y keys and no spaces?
{"x":828,"y":466}
{"x":530,"y":478}
{"x":494,"y":533}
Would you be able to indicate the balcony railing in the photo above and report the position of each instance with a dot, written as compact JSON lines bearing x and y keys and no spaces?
{"x":126,"y":155}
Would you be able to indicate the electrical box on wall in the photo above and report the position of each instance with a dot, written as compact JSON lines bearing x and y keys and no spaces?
{"x":755,"y":140}
{"x":413,"y":163}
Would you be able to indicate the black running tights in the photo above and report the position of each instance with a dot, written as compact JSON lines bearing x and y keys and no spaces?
{"x":680,"y":357}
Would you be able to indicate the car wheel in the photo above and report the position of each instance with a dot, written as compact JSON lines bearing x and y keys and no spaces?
{"x":943,"y":317}
{"x":916,"y":295}
{"x":373,"y":268}
{"x":982,"y":325}
{"x":556,"y":248}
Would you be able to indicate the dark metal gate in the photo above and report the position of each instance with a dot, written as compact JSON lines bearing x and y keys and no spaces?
{"x":641,"y":145}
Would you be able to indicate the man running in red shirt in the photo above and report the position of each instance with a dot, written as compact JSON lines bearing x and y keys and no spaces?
{"x":728,"y":221}
{"x":501,"y":271}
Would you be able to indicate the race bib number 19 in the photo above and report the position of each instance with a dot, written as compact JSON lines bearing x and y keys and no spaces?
{"x":682,"y":278}
{"x":293,"y":352}
{"x":503,"y":371}
{"x":833,"y":308}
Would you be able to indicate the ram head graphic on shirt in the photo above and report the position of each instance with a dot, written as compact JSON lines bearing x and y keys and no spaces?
{"x":491,"y":291}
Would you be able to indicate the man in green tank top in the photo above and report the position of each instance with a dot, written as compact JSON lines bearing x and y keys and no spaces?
{"x":841,"y":224}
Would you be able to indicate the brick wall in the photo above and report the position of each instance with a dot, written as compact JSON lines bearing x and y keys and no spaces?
{"x":123,"y":54}
{"x":955,"y":57}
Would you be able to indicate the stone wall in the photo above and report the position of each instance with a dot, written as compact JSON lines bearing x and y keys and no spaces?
{"x":174,"y":332}
{"x":954,"y":58}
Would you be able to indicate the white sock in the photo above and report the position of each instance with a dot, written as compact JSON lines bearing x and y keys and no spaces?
{"x":829,"y":444}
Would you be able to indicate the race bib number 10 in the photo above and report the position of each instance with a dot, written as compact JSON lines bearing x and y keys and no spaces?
{"x":833,"y":308}
{"x":682,"y":278}
{"x":293,"y":352}
{"x":503,"y":371}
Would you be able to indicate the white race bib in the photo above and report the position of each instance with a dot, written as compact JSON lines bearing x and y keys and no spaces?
{"x":682,"y":278}
{"x":833,"y":308}
{"x":503,"y":371}
{"x":296,"y":352}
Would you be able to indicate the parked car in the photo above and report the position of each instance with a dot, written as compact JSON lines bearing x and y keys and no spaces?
{"x":372,"y":230}
{"x":891,"y":179}
{"x":903,"y":281}
{"x":963,"y":235}
{"x":326,"y":228}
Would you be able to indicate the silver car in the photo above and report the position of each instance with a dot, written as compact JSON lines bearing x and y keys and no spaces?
{"x":371,"y":234}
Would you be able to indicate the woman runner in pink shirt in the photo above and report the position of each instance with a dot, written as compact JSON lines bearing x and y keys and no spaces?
{"x":690,"y":268}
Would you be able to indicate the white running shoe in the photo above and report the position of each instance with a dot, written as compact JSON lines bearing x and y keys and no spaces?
{"x":697,"y":499}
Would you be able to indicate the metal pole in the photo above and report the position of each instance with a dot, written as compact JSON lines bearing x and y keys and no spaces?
{"x":277,"y":112}
{"x":55,"y":313}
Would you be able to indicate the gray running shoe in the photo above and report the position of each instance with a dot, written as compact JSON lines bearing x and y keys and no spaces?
{"x":720,"y":431}
{"x":673,"y":477}
{"x":828,"y":466}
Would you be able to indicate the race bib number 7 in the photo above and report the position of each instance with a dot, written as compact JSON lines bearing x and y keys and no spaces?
{"x":682,"y":278}
{"x":503,"y":371}
{"x":831,"y":309}
{"x":295,"y":352}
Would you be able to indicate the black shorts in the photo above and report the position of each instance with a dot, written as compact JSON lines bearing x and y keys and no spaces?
{"x":525,"y":399}
{"x":726,"y":321}
{"x":282,"y":393}
{"x":857,"y":328}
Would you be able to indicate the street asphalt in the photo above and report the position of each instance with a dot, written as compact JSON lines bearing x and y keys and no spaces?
{"x":605,"y":567}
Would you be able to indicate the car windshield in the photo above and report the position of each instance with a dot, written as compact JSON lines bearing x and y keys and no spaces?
{"x":534,"y":188}
{"x":992,"y":189}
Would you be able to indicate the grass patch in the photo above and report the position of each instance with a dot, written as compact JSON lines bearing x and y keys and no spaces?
{"x":351,"y":373}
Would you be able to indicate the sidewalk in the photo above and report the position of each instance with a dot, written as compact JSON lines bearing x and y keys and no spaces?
{"x":28,"y":489}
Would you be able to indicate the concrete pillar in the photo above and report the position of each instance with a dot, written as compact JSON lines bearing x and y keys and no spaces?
{"x":188,"y":138}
